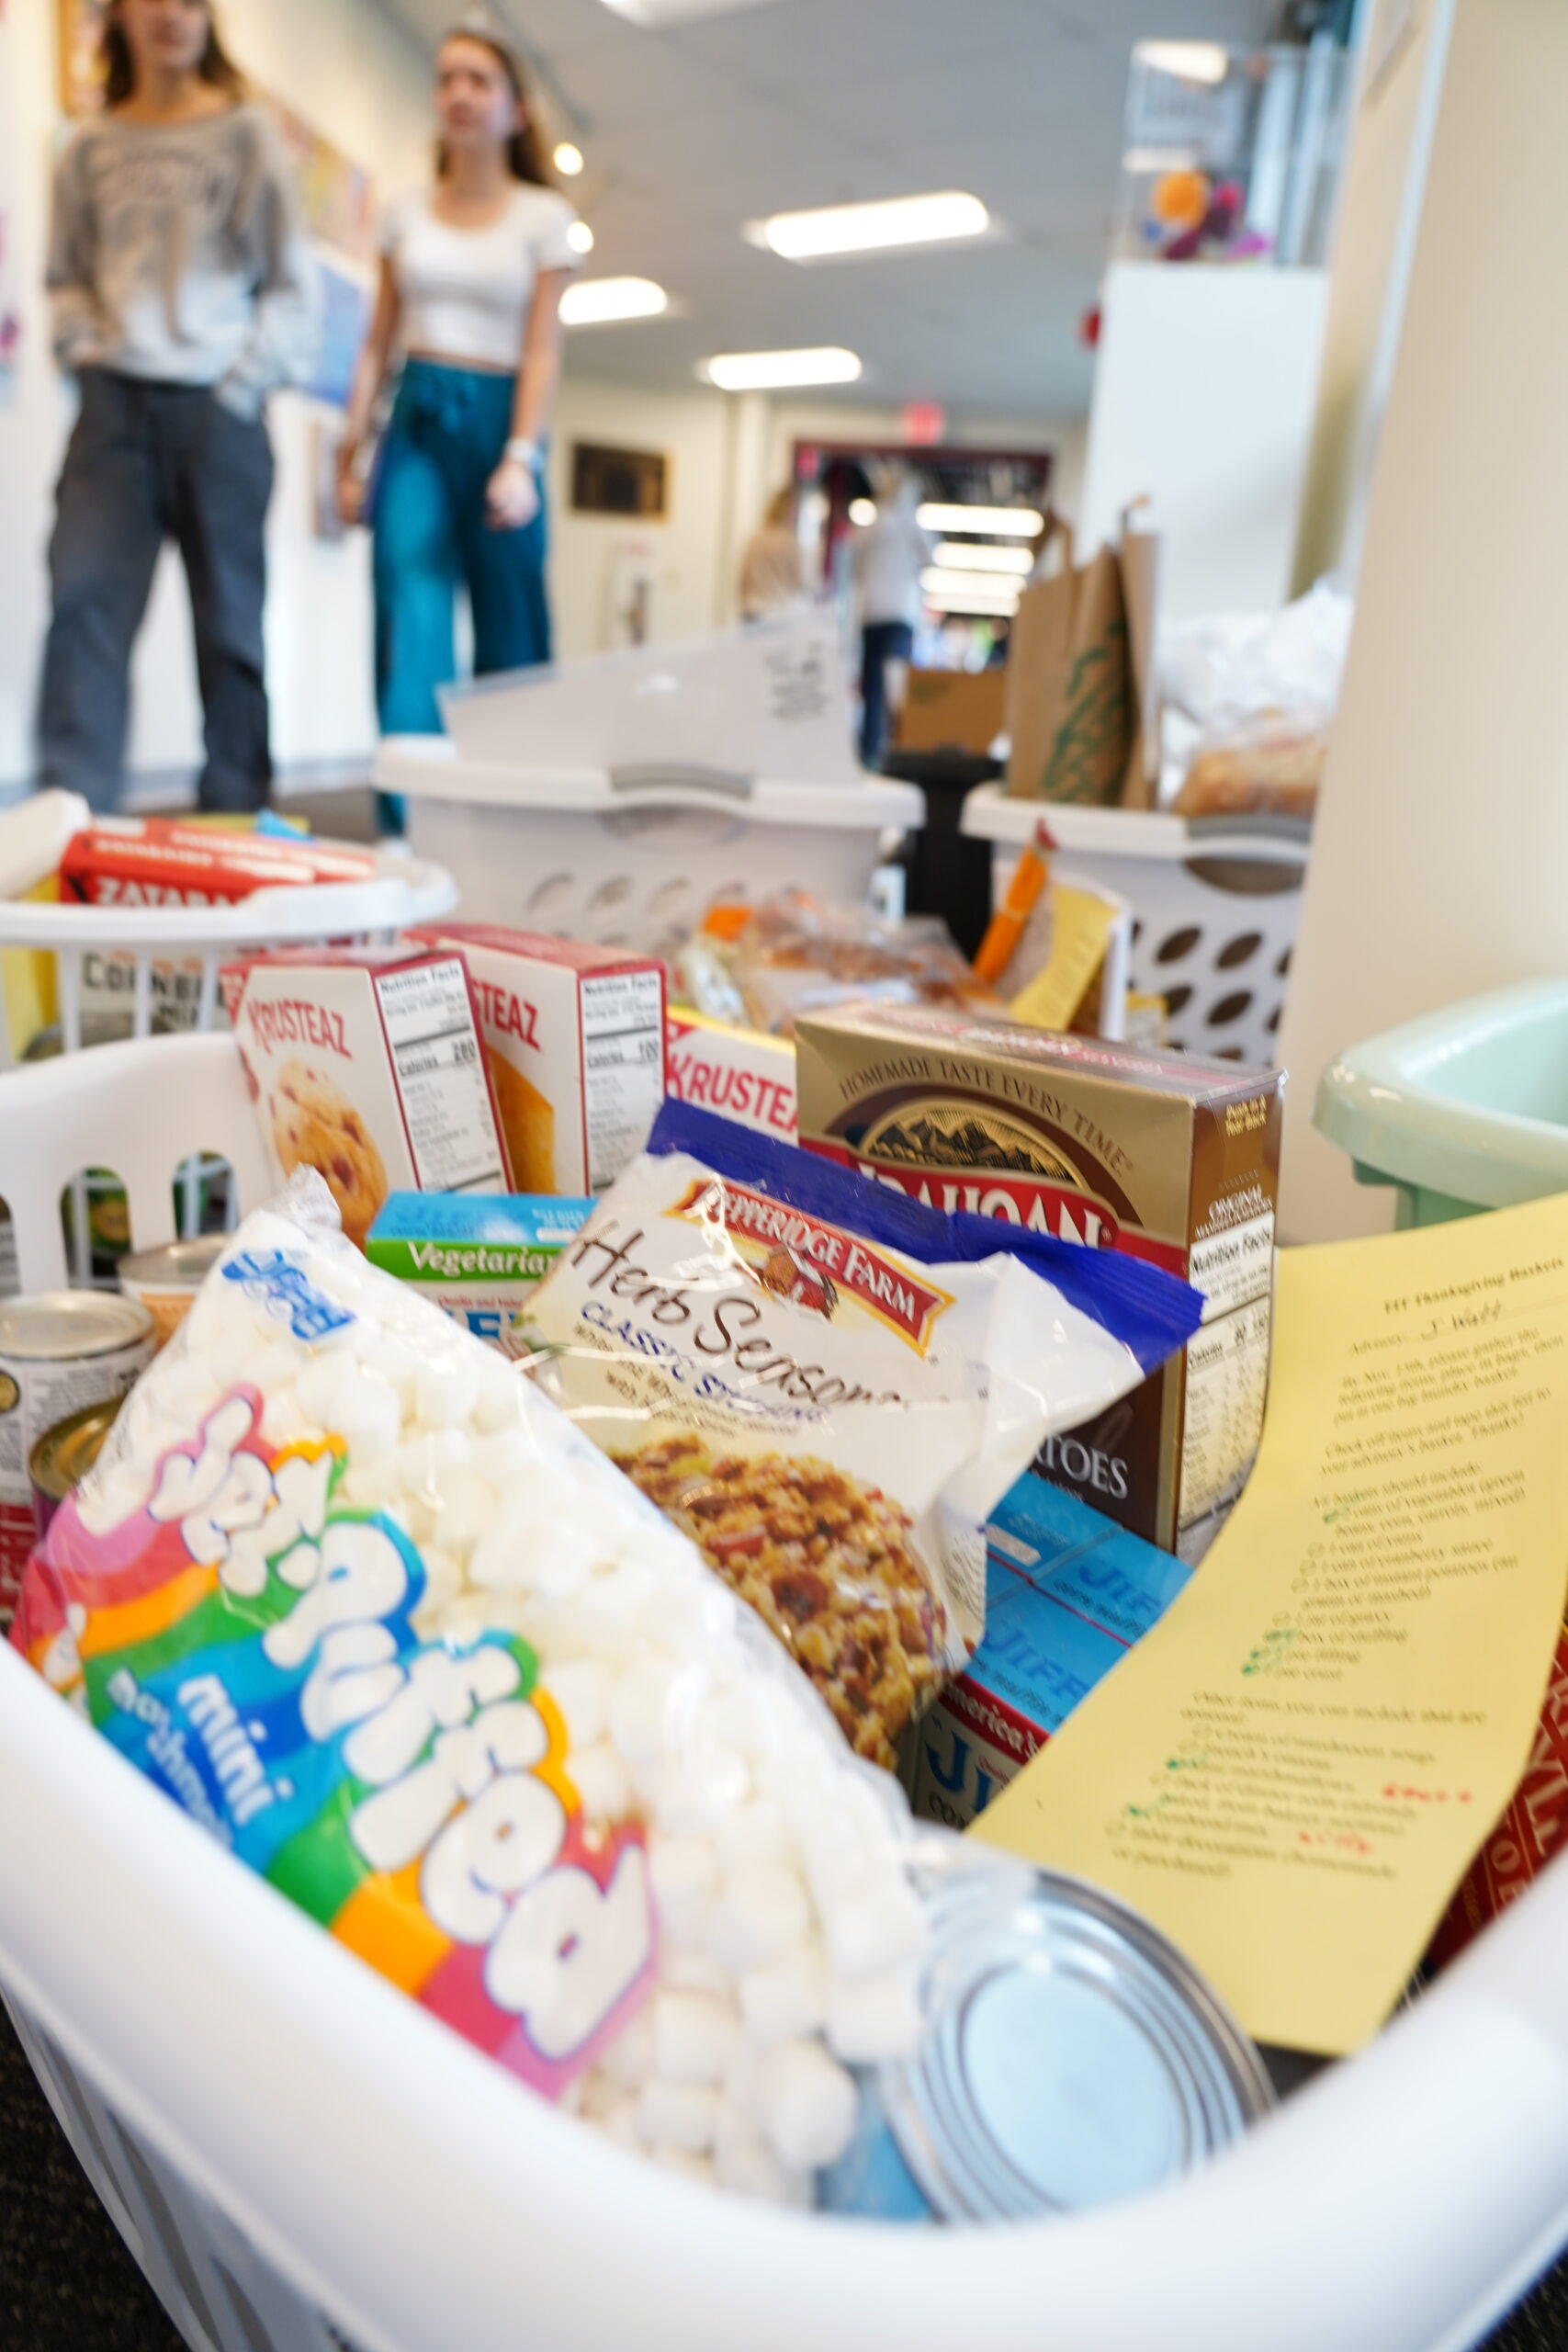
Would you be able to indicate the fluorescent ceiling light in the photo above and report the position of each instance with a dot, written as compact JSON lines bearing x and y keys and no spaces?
{"x":596,"y":301}
{"x":963,"y":591}
{"x":875,"y":228}
{"x":579,"y":237}
{"x":862,"y":511}
{"x":766,"y":371}
{"x":965,"y":602}
{"x":999,"y":522}
{"x":567,"y":160}
{"x":1191,"y":61}
{"x":958,"y":556}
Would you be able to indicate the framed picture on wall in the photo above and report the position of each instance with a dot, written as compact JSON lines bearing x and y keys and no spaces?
{"x":79,"y":25}
{"x":619,"y":481}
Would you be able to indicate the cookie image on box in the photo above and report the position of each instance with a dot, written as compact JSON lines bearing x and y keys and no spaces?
{"x":314,"y":1126}
{"x":528,"y":1124}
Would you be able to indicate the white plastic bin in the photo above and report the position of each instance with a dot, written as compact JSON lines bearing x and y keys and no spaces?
{"x":632,"y":858}
{"x":302,"y":2160}
{"x":1215,"y":905}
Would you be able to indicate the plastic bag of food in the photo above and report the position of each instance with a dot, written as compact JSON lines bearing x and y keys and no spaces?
{"x":829,"y":1386}
{"x":1270,"y":766}
{"x":797,"y":953}
{"x":355,"y":1595}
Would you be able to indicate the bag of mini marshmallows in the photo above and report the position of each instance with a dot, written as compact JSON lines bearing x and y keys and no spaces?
{"x":357,"y":1598}
{"x":829,"y":1387}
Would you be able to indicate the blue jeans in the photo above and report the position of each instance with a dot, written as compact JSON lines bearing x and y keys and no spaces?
{"x":450,"y":429}
{"x":881,"y":642}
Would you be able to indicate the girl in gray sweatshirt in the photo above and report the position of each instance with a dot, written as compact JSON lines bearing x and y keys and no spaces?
{"x":182,"y":295}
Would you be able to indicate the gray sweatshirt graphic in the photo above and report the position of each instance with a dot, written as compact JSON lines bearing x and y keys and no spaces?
{"x":179,"y":253}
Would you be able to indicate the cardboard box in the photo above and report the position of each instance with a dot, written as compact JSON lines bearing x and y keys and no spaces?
{"x":741,"y":1073}
{"x":480,"y":1257}
{"x":1160,"y":1155}
{"x":574,"y":1036}
{"x":1066,"y":1595}
{"x":366,"y":1065}
{"x":151,"y":862}
{"x":951,"y":710}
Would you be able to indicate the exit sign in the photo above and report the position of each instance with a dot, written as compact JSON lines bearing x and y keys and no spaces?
{"x":925,"y":421}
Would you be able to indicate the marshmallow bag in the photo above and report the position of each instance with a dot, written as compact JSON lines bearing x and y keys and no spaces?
{"x":363,"y":1602}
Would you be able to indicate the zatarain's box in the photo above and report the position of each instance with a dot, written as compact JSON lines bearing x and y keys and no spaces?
{"x":1160,"y":1155}
{"x":574,"y":1036}
{"x":479,"y":1257}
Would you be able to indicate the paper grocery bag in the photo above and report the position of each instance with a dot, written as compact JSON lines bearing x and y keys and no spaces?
{"x":1078,"y":680}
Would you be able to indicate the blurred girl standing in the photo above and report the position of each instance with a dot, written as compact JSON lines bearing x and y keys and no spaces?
{"x":182,"y":296}
{"x":472,"y":274}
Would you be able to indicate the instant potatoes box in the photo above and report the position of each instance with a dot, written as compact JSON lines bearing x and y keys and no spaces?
{"x":1160,"y":1155}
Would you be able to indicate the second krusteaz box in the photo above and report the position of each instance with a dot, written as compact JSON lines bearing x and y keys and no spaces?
{"x":1161,"y":1156}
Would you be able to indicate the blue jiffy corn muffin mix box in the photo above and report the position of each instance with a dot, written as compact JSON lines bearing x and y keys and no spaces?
{"x":480,"y":1255}
{"x":1067,"y":1593}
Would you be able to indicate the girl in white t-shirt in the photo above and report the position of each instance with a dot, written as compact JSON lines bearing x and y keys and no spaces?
{"x":472,"y":274}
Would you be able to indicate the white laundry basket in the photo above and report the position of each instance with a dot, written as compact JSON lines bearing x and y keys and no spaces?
{"x":302,"y":2160}
{"x":635,"y":858}
{"x":401,"y":891}
{"x":1215,"y":905}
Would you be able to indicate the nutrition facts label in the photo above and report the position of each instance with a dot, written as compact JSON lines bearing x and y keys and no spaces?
{"x":1233,"y":1267}
{"x":623,"y":1068}
{"x":1227,"y":1380}
{"x":429,"y":1022}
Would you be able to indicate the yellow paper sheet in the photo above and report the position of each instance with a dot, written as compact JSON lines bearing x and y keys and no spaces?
{"x":1081,"y":927}
{"x":1291,"y":1772}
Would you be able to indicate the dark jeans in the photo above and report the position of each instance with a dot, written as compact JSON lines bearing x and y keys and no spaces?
{"x":150,"y":462}
{"x":881,"y":642}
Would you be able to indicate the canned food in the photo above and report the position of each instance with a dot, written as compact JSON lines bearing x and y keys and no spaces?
{"x":1073,"y":2057}
{"x":65,"y":1454}
{"x":166,"y":1281}
{"x":58,"y":1351}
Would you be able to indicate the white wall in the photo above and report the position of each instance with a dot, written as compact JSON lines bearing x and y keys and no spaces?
{"x":349,"y":70}
{"x":1442,"y":836}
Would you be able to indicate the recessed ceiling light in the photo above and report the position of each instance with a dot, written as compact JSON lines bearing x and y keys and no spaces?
{"x":596,"y":301}
{"x":579,"y":237}
{"x":999,"y":522}
{"x":957,"y":555}
{"x":1191,"y":61}
{"x":569,"y":160}
{"x":875,"y":228}
{"x":862,"y":511}
{"x":767,"y":371}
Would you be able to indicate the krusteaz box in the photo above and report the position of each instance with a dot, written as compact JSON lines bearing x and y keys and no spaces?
{"x":1161,"y":1156}
{"x":480,"y":1257}
{"x":1066,"y":1595}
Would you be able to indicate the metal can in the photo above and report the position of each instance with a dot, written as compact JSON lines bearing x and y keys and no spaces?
{"x":65,"y":1454}
{"x":166,"y":1281}
{"x":1073,"y":2057}
{"x":58,"y":1351}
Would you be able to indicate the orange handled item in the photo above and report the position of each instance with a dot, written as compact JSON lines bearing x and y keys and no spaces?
{"x":1006,"y":929}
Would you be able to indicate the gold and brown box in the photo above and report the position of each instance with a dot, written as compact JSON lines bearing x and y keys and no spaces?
{"x":1160,"y":1155}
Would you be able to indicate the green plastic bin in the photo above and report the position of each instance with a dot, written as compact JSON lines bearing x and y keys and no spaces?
{"x":1464,"y":1110}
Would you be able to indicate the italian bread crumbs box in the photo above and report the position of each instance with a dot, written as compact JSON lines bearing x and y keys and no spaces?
{"x":1159,"y":1156}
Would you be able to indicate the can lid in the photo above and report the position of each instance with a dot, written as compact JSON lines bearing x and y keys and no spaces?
{"x":1075,"y":2056}
{"x":63,"y":1323}
{"x":65,"y":1454}
{"x":177,"y":1263}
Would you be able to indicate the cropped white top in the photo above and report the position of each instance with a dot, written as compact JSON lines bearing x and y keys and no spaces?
{"x":466,"y":292}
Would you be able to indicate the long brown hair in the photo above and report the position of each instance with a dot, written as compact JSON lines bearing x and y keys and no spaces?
{"x":524,"y":149}
{"x":120,"y":67}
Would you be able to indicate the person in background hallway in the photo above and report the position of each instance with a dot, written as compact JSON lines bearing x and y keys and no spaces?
{"x":182,"y":295}
{"x":473,"y":276}
{"x":772,"y":569}
{"x":889,"y":555}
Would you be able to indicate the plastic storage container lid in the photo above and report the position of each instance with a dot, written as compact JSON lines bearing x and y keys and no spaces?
{"x":1471,"y":1101}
